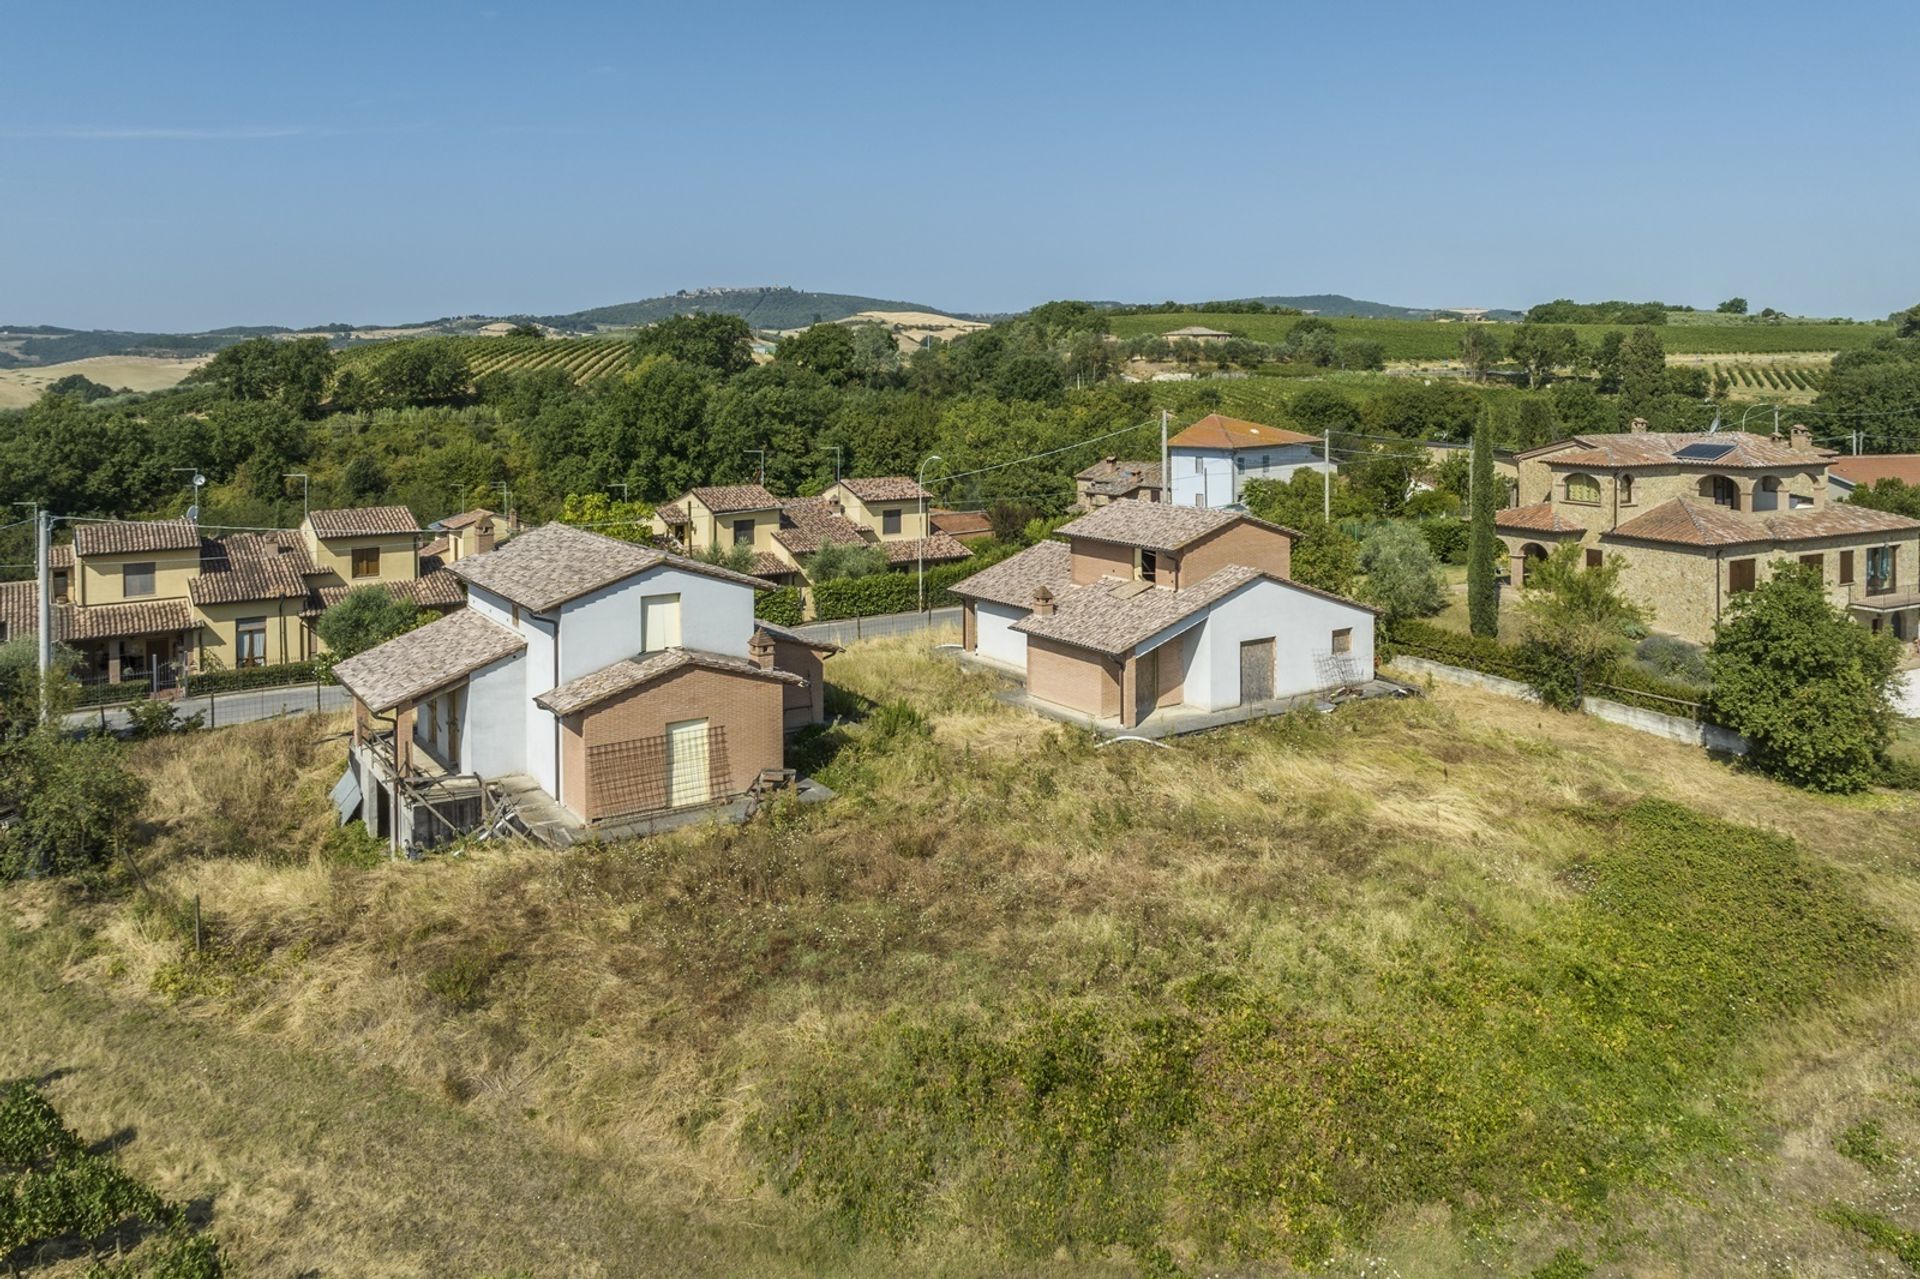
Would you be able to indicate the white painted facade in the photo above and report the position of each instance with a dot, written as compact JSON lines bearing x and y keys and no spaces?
{"x":1214,"y":477}
{"x":993,"y":634}
{"x":1301,"y":625}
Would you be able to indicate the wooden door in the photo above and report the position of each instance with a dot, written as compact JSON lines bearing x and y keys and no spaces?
{"x":688,"y":780}
{"x":1146,"y":684}
{"x":1256,"y":670}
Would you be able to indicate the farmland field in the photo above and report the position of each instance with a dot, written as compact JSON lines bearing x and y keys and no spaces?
{"x":1437,"y":340}
{"x":585,"y":359}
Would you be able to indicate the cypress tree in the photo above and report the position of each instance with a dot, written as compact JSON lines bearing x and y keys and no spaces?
{"x":1483,"y":548}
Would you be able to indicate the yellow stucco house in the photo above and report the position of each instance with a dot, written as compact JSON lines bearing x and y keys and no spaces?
{"x":147,"y":601}
{"x":1696,"y":518}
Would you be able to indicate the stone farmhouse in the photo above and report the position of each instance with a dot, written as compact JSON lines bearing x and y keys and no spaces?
{"x":1111,"y":479}
{"x":590,"y":686}
{"x":148,"y":601}
{"x":1697,"y":518}
{"x":886,"y":511}
{"x":1213,"y":459}
{"x":1144,"y":608}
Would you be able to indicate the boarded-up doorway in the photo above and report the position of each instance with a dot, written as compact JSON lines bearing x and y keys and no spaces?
{"x":1256,"y":670}
{"x":1146,"y":684}
{"x":689,"y":780}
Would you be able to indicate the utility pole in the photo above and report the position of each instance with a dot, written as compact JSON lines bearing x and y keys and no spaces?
{"x":506,"y":506}
{"x":1166,"y":471}
{"x":836,"y":462}
{"x":1326,"y":476}
{"x":43,"y":546}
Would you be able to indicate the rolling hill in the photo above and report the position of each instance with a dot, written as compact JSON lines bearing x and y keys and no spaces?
{"x":763,"y":308}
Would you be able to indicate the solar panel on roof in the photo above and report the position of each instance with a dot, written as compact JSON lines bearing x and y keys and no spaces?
{"x":1705,"y":451}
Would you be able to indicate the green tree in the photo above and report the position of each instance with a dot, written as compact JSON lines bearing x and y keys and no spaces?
{"x":1643,"y":373}
{"x":628,"y":521}
{"x":1402,"y":576}
{"x":1323,"y":555}
{"x":527,"y":329}
{"x":1888,"y":493}
{"x":1732,"y":306}
{"x":422,"y":371}
{"x":1810,"y":689}
{"x":78,"y":804}
{"x":1479,"y":349}
{"x":1483,"y":544}
{"x":720,"y":343}
{"x":825,"y":349}
{"x":1577,"y":623}
{"x":1906,"y":324}
{"x":1318,"y":409}
{"x":845,"y":559}
{"x":366,"y":616}
{"x":80,"y":385}
{"x":1032,"y":377}
{"x":1540,"y":349}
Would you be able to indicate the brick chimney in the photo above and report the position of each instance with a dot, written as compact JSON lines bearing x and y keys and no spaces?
{"x":760,"y":650}
{"x":1802,"y":437}
{"x":483,"y":537}
{"x":1043,"y":603}
{"x":1638,"y":426}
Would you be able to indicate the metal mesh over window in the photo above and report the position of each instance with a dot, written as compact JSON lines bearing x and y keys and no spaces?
{"x":637,"y":776}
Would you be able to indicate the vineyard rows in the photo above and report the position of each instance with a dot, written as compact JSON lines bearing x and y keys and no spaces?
{"x":583,"y":359}
{"x":1787,"y":378}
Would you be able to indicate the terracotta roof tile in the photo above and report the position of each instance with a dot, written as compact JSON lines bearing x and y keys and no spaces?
{"x":131,"y":537}
{"x":408,"y":666}
{"x":1015,"y":579}
{"x":795,"y":637}
{"x":437,"y":589}
{"x":809,"y":523}
{"x":545,"y":567}
{"x":1840,"y":519}
{"x":241,"y":567}
{"x":1217,"y":432}
{"x":363,"y":521}
{"x":60,"y":555}
{"x":464,"y":518}
{"x":1115,"y":615}
{"x":1539,"y":517}
{"x":960,"y":523}
{"x":724,"y":498}
{"x":912,"y":550}
{"x":1157,"y":526}
{"x":1660,"y":448}
{"x":1872,"y":468}
{"x":632,"y":672}
{"x":1111,"y":477}
{"x":1688,"y":523}
{"x":107,"y":621}
{"x":767,"y":564}
{"x":671,"y":514}
{"x":885,"y":488}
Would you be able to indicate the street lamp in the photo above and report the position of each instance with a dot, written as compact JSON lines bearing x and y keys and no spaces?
{"x":1752,"y":408}
{"x":921,"y":479}
{"x":193,"y":511}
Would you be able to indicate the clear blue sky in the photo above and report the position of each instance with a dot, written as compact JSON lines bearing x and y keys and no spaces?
{"x":173,"y":167}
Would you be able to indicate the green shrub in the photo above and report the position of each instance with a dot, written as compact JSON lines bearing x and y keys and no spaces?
{"x":1671,"y":658}
{"x":781,"y":606}
{"x":1622,"y":682}
{"x":151,"y":717}
{"x":1567,"y":1263}
{"x":78,"y":804}
{"x":872,"y":596}
{"x":206,"y":682}
{"x":1447,"y":538}
{"x":1553,"y":1064}
{"x":1865,"y":1143}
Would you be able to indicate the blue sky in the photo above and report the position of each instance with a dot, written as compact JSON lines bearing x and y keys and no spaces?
{"x":173,"y":167}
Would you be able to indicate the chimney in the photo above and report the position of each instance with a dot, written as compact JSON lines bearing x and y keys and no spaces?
{"x":483,"y":537}
{"x":1802,"y":438}
{"x":760,"y":650}
{"x":1043,"y":603}
{"x":1638,"y":426}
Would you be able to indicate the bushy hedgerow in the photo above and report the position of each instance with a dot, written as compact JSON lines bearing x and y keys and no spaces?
{"x":868,"y":596}
{"x":1621,"y":682}
{"x":780,"y":606}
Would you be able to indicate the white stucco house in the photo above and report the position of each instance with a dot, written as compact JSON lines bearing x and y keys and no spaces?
{"x":1211,"y":460}
{"x":593,"y":680}
{"x":1145,"y":607}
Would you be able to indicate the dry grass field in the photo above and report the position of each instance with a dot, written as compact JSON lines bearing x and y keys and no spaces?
{"x":20,"y":387}
{"x":1446,"y":986}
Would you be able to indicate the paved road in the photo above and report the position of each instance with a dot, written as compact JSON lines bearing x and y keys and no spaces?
{"x":222,"y":709}
{"x":859,"y":628}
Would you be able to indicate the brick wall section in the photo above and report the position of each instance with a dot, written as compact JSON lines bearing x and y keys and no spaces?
{"x":802,"y":706}
{"x":1266,"y":549}
{"x":1095,"y":560}
{"x":1073,"y":677}
{"x":748,"y":708}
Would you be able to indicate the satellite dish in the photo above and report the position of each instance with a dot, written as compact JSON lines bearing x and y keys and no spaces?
{"x":193,"y":513}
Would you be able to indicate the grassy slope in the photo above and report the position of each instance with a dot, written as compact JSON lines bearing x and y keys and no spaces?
{"x":631,"y":1019}
{"x":1435,"y":340}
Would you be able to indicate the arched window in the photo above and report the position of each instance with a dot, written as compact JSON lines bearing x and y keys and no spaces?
{"x":1723,"y":491}
{"x":1584,"y":489}
{"x":1626,"y":490}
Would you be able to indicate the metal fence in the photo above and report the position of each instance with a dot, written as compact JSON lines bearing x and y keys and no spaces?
{"x":242,"y":706}
{"x":849,"y":630}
